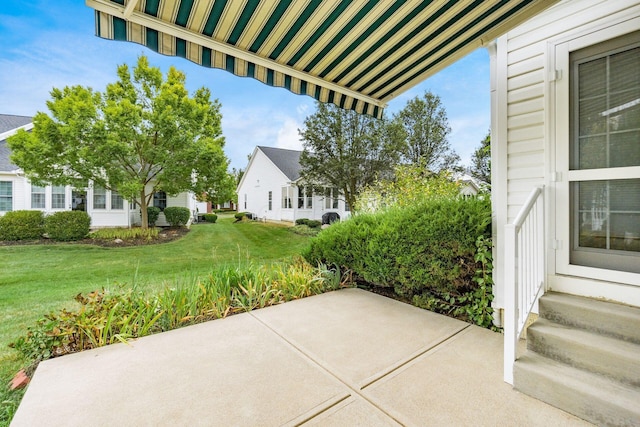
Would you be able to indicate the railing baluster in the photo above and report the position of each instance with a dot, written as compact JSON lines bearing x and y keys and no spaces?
{"x":524,"y":272}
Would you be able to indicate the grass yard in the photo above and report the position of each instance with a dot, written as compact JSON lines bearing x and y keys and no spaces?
{"x":36,"y":279}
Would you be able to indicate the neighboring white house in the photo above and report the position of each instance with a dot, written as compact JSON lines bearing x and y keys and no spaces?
{"x":105,"y":207}
{"x":271,"y":189}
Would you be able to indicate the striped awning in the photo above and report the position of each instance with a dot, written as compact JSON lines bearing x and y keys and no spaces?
{"x":357,"y":54}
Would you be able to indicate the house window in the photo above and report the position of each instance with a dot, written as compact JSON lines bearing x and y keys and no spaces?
{"x":605,"y":140}
{"x":117,"y":202}
{"x":305,"y":197}
{"x":287,"y":197}
{"x":245,"y":201}
{"x":37,"y":197}
{"x":160,"y":200}
{"x":99,"y":198}
{"x":331,"y":198}
{"x":309,"y":197}
{"x":58,"y":199}
{"x":6,"y":196}
{"x":270,"y":200}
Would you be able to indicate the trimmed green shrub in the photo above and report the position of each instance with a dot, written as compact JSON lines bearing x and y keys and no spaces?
{"x":177,"y":216}
{"x":153,"y":213}
{"x":312,"y":223}
{"x":241,"y":215}
{"x":210,"y":217}
{"x":302,"y":221}
{"x":21,"y":225}
{"x":67,"y":225}
{"x":423,"y":251}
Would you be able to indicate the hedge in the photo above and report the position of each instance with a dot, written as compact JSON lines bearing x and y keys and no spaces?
{"x":210,"y":217}
{"x":423,"y":252}
{"x":177,"y":216}
{"x":67,"y":225}
{"x":21,"y":225}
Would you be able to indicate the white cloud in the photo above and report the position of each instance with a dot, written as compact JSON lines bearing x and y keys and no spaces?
{"x":288,"y":136}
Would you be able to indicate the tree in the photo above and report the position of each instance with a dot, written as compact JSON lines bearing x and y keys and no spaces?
{"x":425,"y":128}
{"x":411,"y":184}
{"x":346,"y":150}
{"x":224,"y":190}
{"x":481,"y":160}
{"x":142,"y":135}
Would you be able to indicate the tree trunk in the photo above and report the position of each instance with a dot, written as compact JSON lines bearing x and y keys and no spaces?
{"x":144,"y":218}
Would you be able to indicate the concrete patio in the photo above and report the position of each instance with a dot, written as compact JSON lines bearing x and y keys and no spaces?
{"x":344,"y":358}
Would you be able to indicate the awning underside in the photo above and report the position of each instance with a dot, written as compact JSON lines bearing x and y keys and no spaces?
{"x":356,"y":54}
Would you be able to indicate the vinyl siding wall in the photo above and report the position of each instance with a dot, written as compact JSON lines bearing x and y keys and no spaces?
{"x":523,"y":143}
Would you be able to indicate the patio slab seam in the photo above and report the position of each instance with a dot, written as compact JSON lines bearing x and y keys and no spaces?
{"x":367,"y":382}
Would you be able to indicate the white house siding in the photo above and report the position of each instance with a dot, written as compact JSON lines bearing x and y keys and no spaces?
{"x":262,"y":176}
{"x":523,"y":117}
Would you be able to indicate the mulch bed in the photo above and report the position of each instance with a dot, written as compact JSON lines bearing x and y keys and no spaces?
{"x":166,"y":235}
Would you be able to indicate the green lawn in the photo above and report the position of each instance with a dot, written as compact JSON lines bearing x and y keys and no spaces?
{"x":36,"y":279}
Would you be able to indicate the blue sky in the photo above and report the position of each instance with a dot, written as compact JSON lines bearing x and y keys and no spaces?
{"x":47,"y":44}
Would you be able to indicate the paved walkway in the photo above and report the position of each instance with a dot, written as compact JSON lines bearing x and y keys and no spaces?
{"x":346,"y":358}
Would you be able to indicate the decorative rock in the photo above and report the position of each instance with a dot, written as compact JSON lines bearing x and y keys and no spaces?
{"x":20,"y":380}
{"x":118,"y":241}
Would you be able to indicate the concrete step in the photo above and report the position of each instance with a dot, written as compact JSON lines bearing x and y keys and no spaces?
{"x":589,"y":396}
{"x":616,"y":359}
{"x":606,"y":318}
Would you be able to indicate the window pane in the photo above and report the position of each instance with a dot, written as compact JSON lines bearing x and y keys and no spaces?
{"x":300,"y":197}
{"x":270,"y":200}
{"x":58,"y":197}
{"x":608,"y":112}
{"x":608,"y":214}
{"x":116,"y":201}
{"x":99,"y":198}
{"x":37,"y":197}
{"x":6,"y":196}
{"x":160,"y":200}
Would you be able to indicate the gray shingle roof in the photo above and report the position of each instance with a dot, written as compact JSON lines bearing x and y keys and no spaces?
{"x":9,"y":122}
{"x":288,"y":161}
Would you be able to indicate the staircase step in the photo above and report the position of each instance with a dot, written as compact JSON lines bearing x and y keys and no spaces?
{"x":589,"y":396}
{"x":611,"y":357}
{"x":607,"y":318}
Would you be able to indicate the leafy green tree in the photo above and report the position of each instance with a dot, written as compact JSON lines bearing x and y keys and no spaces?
{"x":346,"y":150}
{"x":425,"y":128}
{"x":224,"y":190}
{"x":410,"y":185}
{"x":481,"y":160}
{"x":143,"y":134}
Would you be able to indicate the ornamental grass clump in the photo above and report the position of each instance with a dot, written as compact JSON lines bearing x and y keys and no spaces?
{"x":125,"y":233}
{"x":108,"y":316}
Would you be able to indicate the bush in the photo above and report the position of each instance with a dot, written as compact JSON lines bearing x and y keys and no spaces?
{"x":125,"y":233}
{"x":305,"y":230}
{"x":21,"y":225}
{"x":177,"y":216}
{"x":241,"y":215}
{"x":210,"y":217}
{"x":67,"y":225}
{"x":424,"y":252}
{"x":153,"y":213}
{"x":302,"y":221}
{"x":312,"y":223}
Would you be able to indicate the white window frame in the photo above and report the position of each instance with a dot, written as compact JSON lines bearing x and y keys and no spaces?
{"x":42,"y":193}
{"x":116,"y":199}
{"x":55,"y":206}
{"x":559,"y":77}
{"x":287,"y":197}
{"x":102,"y":194}
{"x":8,"y":197}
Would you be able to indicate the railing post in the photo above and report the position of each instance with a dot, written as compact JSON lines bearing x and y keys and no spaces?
{"x":511,"y":303}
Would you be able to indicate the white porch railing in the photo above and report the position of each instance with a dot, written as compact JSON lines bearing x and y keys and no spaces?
{"x":524,"y":272}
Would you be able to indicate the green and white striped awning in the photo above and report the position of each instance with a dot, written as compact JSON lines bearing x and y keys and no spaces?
{"x":357,"y":54}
